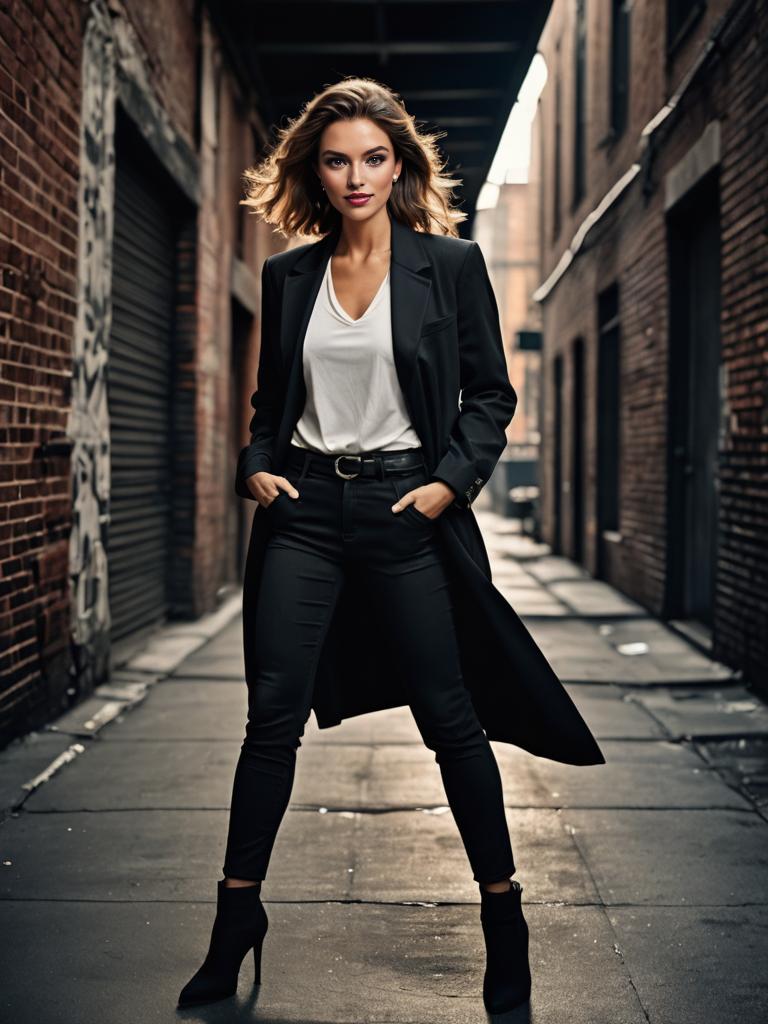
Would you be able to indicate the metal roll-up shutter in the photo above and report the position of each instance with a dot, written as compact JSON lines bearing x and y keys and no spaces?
{"x":139,"y":396}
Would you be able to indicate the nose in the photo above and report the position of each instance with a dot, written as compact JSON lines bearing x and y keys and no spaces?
{"x":355,"y":182}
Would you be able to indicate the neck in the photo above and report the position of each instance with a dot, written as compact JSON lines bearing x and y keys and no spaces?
{"x":360,"y":240}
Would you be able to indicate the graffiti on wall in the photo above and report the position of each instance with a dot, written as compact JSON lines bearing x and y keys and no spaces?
{"x":88,"y":425}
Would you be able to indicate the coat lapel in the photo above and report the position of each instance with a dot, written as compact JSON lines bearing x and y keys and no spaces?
{"x":410,"y":284}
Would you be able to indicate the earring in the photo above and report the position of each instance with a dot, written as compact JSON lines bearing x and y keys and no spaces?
{"x":395,"y":178}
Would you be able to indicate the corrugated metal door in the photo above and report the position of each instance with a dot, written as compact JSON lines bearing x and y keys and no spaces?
{"x":139,"y":395}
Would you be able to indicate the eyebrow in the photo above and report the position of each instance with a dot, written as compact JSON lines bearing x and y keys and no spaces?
{"x":337,"y":152}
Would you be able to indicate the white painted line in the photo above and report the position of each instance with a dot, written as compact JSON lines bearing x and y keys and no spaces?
{"x":64,"y":758}
{"x":105,"y":714}
{"x":129,"y":693}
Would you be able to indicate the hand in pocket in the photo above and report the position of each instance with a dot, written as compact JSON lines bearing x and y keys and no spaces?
{"x":429,"y":500}
{"x":266,"y":487}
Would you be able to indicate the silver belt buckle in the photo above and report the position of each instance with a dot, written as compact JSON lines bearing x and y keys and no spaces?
{"x":347,"y":476}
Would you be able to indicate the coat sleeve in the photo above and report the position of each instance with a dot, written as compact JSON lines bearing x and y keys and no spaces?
{"x":256,"y":457}
{"x":488,"y":400}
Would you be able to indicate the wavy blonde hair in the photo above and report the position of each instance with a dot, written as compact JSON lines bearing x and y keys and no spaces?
{"x":283,"y":188}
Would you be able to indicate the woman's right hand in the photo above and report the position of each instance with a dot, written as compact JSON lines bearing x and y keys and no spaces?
{"x":265,"y":487}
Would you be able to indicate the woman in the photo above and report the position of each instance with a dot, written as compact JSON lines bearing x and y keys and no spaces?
{"x":360,"y":458}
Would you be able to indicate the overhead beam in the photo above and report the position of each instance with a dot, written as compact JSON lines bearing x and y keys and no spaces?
{"x":416,"y":48}
{"x":286,"y":99}
{"x":403,"y":3}
{"x":459,"y":121}
{"x":464,"y":145}
{"x":427,"y":95}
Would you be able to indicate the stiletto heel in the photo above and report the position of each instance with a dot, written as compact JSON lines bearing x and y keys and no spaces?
{"x":240,"y":924}
{"x":257,"y":962}
{"x":507,"y":979}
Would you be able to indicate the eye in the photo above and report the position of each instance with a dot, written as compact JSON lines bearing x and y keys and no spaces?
{"x":331,"y":161}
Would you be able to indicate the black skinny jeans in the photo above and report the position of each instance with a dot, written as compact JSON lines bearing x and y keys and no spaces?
{"x":334,"y":527}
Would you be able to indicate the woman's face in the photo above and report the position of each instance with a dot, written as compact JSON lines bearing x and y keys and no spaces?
{"x":357,"y":157}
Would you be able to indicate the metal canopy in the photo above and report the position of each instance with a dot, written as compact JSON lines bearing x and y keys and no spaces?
{"x":458,"y":66}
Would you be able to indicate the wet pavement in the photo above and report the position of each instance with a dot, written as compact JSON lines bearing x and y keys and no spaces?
{"x":644,"y":878}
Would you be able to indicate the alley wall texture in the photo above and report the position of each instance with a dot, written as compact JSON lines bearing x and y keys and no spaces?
{"x":40,"y":76}
{"x":74,"y":79}
{"x":697,"y":119}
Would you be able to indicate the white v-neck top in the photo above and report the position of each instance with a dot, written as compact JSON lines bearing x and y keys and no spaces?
{"x":354,"y":400}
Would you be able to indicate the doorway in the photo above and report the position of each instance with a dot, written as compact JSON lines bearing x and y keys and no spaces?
{"x":557,"y":474}
{"x":140,"y":388}
{"x":694,"y":402}
{"x":577,"y":452}
{"x":608,"y":428}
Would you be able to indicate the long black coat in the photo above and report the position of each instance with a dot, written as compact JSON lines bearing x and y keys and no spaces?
{"x":446,"y":340}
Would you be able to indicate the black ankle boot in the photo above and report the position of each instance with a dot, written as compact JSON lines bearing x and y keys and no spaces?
{"x":240,"y":924}
{"x":507,"y":979}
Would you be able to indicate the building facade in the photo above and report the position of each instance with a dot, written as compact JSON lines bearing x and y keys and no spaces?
{"x":653,"y":128}
{"x":129,"y":306}
{"x":508,"y":235}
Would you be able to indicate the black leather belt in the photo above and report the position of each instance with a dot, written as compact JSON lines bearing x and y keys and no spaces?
{"x":348,"y":467}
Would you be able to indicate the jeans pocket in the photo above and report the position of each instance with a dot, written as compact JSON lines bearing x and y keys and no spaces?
{"x":295,"y":478}
{"x":424,"y":518}
{"x":403,"y":483}
{"x":280,"y":494}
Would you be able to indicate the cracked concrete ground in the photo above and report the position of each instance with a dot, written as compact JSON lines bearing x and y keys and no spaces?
{"x":644,"y":878}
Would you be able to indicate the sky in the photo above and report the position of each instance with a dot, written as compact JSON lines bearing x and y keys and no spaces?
{"x":510,"y":164}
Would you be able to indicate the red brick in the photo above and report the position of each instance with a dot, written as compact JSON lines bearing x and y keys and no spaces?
{"x":630,"y":248}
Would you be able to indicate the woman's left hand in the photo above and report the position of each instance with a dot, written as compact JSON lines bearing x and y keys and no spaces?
{"x":430,"y":499}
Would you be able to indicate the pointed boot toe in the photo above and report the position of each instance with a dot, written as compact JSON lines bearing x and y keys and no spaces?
{"x":239,"y":926}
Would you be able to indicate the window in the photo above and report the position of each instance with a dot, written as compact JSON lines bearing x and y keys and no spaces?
{"x":579,"y":93}
{"x":682,"y":15}
{"x":620,"y":58}
{"x":557,"y":155}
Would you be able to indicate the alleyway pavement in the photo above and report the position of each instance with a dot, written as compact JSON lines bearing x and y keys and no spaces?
{"x":645,"y":879}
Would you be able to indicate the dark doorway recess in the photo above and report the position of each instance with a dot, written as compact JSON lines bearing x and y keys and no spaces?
{"x":694,"y":403}
{"x":140,"y":374}
{"x":577,"y":452}
{"x":557,"y":468}
{"x":608,"y":427}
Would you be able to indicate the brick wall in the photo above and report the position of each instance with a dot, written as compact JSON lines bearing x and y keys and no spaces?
{"x":742,"y":621}
{"x":629,"y":246}
{"x":166,"y":66}
{"x":39,"y":142}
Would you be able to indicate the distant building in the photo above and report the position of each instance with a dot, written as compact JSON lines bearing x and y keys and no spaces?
{"x":654,"y":299}
{"x":509,"y":237}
